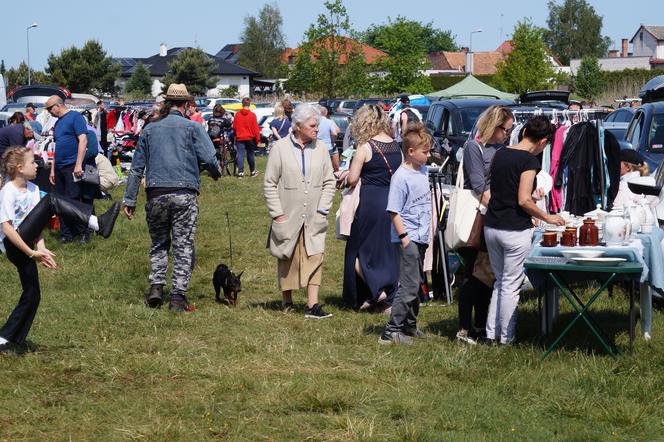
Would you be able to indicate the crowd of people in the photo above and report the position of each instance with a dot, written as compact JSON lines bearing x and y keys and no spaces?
{"x":387,"y":182}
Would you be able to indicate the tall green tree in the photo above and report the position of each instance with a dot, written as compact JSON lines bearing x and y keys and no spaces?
{"x":574,"y":30}
{"x":194,"y":68}
{"x":328,"y":62}
{"x":140,"y":81}
{"x":85,"y":70}
{"x":527,"y":67}
{"x":589,"y":81}
{"x":263,"y":41}
{"x":434,"y":40}
{"x":19,"y":76}
{"x":2,"y":67}
{"x":406,"y":60}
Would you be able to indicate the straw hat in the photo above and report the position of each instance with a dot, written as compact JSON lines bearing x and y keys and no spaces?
{"x":178,"y":92}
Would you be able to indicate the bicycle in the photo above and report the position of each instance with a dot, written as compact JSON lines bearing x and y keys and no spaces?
{"x":226,"y":154}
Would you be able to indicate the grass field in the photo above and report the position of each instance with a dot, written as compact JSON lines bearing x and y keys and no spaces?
{"x":101,"y":366}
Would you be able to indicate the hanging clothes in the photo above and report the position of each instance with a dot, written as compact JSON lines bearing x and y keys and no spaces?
{"x":556,"y":196}
{"x":612,"y":151}
{"x":582,"y":157}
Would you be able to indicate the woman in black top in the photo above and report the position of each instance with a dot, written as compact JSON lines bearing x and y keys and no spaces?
{"x":508,"y":223}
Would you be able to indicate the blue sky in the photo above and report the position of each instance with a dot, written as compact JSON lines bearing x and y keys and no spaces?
{"x":136,"y":28}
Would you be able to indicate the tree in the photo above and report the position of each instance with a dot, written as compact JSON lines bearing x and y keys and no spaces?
{"x":328,"y":62}
{"x":589,"y":81}
{"x":434,"y":40}
{"x":575,"y":30}
{"x":140,"y":81}
{"x":194,"y":68}
{"x":86,"y":70}
{"x":19,"y":76}
{"x":263,"y":41}
{"x":407,"y":59}
{"x":2,"y":67}
{"x":527,"y":67}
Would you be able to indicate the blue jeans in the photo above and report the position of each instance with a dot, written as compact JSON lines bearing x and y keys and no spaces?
{"x":248,"y":146}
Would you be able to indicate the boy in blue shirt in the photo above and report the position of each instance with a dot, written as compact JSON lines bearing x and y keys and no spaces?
{"x":409,"y":204}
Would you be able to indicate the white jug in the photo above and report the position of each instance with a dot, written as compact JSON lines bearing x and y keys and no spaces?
{"x":615,"y":227}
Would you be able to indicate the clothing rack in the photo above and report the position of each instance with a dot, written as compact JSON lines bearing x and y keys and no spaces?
{"x":594,"y":115}
{"x":564,"y":114}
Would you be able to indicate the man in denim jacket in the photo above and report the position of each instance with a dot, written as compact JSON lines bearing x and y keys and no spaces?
{"x":171,"y":152}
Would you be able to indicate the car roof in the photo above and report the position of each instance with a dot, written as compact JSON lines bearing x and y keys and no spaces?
{"x":471,"y":102}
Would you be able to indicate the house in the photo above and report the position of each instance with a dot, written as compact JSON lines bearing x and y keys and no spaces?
{"x":343,"y":45}
{"x":228,"y":74}
{"x":483,"y":62}
{"x":647,"y":52}
{"x":648,"y":41}
{"x":230,"y":53}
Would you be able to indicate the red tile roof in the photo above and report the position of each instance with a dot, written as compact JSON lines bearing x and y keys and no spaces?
{"x":344,"y":45}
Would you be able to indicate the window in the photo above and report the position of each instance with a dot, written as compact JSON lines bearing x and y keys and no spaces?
{"x":433,"y":119}
{"x":634,"y":130}
{"x":656,"y":135}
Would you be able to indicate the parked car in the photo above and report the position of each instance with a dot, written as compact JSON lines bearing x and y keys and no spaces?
{"x":617,"y":121}
{"x":645,"y":133}
{"x":36,"y":93}
{"x":343,"y":121}
{"x":346,"y":106}
{"x":451,"y":121}
{"x":360,"y":103}
{"x":9,"y":108}
{"x":224,"y":102}
{"x":546,"y":99}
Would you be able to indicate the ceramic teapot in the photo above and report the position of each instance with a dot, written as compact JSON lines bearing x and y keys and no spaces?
{"x":615,"y":228}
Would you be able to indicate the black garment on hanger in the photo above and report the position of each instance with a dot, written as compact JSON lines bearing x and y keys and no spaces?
{"x":581,"y":156}
{"x":612,"y":152}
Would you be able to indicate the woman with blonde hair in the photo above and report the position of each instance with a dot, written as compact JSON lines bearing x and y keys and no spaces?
{"x":494,"y":127}
{"x":280,"y":126}
{"x":632,"y":165}
{"x":371,"y":263}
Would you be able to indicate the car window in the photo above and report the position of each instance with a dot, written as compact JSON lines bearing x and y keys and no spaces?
{"x":634,"y":130}
{"x":656,"y":135}
{"x":611,"y":117}
{"x":468,"y":118}
{"x":624,"y":116}
{"x":432,"y":122}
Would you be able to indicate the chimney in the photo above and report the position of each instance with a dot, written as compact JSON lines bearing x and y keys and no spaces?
{"x":469,"y":62}
{"x":624,"y":48}
{"x":163,"y":50}
{"x":613,"y":53}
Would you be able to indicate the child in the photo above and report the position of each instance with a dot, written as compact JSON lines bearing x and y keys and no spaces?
{"x":409,"y":204}
{"x":23,"y":216}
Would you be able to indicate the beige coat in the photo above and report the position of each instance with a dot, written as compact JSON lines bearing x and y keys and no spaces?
{"x":288,"y":193}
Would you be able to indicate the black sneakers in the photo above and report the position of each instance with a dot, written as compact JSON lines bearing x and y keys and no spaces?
{"x":317,"y":312}
{"x":395,"y":338}
{"x":107,"y":220}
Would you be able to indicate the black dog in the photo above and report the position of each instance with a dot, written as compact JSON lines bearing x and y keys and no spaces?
{"x":225,"y":279}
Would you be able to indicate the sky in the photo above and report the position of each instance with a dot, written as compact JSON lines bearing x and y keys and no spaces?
{"x":136,"y":29}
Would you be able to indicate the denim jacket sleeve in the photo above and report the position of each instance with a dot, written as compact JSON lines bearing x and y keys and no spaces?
{"x":135,"y":173}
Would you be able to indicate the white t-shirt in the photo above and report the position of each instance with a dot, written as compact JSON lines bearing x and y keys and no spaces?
{"x":15,"y":204}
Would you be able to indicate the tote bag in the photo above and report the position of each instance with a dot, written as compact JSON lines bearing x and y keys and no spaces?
{"x":463,"y":210}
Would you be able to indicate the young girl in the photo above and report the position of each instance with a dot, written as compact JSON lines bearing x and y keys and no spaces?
{"x":23,"y":216}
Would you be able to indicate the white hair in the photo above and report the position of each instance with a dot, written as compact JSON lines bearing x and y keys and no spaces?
{"x":303,"y":113}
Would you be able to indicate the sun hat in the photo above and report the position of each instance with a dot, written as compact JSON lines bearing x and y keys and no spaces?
{"x":178,"y":92}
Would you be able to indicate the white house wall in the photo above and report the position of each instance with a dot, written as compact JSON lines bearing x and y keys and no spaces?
{"x":242,"y":84}
{"x":646,"y":47}
{"x":614,"y":64}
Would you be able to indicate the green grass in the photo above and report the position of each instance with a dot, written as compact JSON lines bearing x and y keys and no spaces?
{"x":103,"y":367}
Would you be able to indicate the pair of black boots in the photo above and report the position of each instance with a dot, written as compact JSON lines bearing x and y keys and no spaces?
{"x":39,"y":217}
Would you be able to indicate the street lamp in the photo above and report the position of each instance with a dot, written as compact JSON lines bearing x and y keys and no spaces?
{"x":470,"y":48}
{"x":27,"y":36}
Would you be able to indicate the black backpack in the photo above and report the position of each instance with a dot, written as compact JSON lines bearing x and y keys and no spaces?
{"x":216,"y":126}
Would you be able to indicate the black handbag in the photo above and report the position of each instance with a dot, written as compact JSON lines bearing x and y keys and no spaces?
{"x":90,"y":175}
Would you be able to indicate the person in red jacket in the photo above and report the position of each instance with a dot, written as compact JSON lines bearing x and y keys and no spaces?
{"x":247,"y":137}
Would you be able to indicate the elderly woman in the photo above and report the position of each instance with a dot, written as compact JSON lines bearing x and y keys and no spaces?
{"x":371,"y":262}
{"x":299,"y":187}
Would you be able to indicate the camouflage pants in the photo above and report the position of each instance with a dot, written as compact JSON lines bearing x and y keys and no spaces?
{"x":172,"y":221}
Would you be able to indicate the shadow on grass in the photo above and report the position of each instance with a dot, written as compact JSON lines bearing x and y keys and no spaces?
{"x":31,"y":347}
